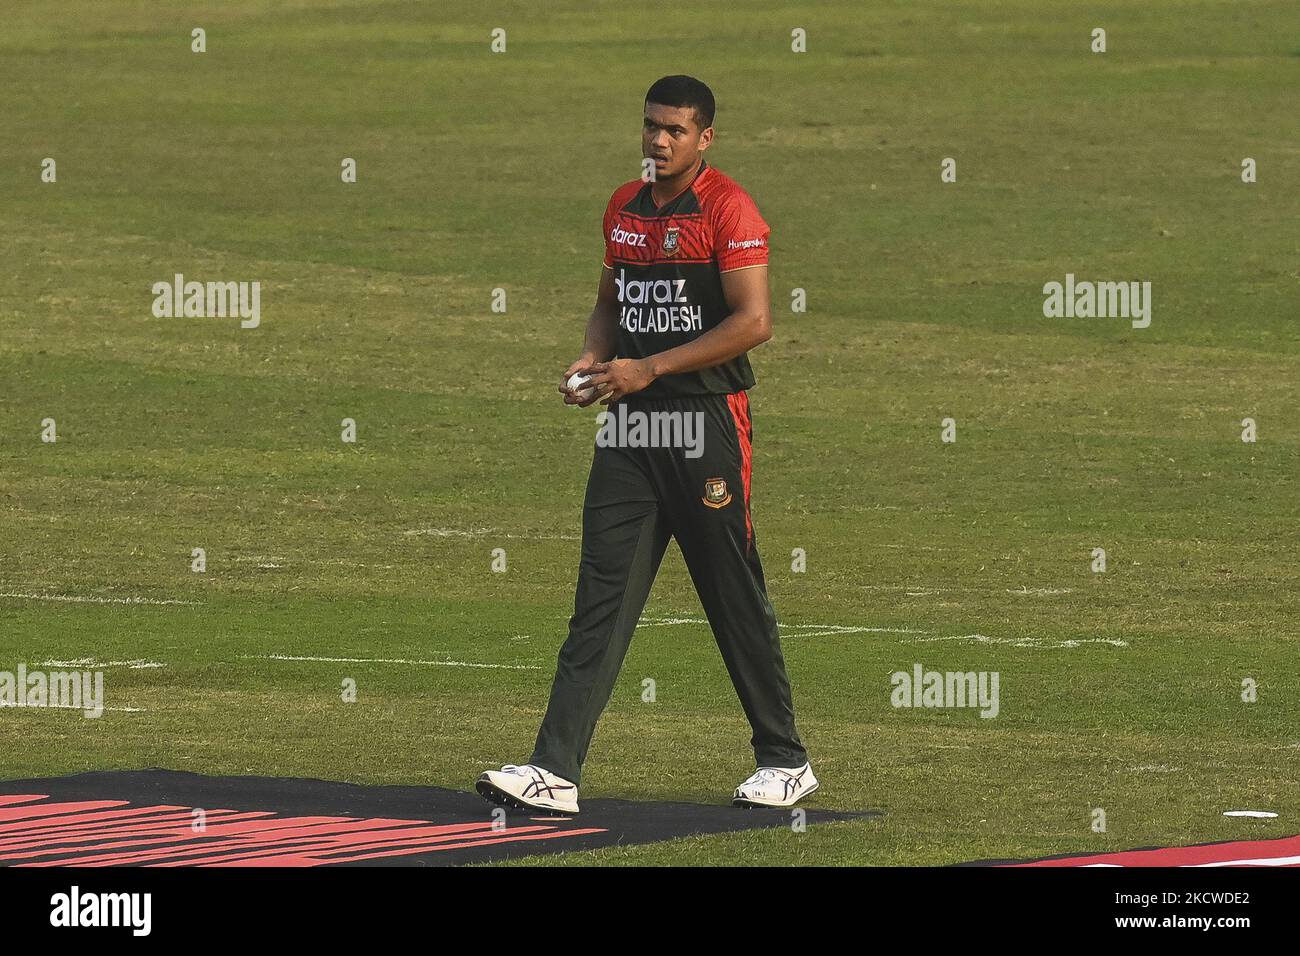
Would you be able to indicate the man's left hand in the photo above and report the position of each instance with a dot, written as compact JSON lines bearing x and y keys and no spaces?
{"x":619,"y":378}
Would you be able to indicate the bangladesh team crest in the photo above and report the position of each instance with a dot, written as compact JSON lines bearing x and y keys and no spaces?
{"x":671,"y":241}
{"x":716,"y":494}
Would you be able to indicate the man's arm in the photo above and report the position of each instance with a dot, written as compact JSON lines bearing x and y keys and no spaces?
{"x":601,"y":339}
{"x":748,"y":325}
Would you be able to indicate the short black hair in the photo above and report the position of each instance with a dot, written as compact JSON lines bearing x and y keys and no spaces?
{"x":684,"y":91}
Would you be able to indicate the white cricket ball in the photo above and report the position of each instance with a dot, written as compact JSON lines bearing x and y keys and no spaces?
{"x":575,"y":383}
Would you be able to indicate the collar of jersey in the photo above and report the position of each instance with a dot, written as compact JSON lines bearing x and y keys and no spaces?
{"x":658,"y":210}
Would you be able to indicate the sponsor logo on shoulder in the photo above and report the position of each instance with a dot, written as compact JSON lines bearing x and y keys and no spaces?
{"x":745,"y":244}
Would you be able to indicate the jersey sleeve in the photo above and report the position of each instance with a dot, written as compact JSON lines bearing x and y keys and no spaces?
{"x":608,"y":228}
{"x":740,"y":234}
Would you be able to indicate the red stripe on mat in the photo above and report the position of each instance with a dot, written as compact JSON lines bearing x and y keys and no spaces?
{"x":1239,"y":853}
{"x":7,"y":799}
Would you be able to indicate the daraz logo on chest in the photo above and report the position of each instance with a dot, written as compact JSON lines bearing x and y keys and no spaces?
{"x":639,"y":291}
{"x":620,"y":236}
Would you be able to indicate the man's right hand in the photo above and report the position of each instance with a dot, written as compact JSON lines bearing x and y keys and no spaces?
{"x":583,"y":364}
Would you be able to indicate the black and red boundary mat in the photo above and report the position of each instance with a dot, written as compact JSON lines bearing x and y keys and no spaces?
{"x":1273,"y":852}
{"x":168,"y":818}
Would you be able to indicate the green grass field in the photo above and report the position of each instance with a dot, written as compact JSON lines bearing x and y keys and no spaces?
{"x":479,"y":170}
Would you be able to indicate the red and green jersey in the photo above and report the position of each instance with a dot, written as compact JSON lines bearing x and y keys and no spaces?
{"x":668,"y":262}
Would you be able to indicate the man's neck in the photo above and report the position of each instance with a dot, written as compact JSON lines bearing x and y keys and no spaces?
{"x":674,"y":186}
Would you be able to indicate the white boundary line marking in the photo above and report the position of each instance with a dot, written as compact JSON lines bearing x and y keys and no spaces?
{"x":81,"y":599}
{"x":489,"y":532}
{"x":797,"y":630}
{"x":830,"y":630}
{"x":928,"y":589}
{"x":124,"y":710}
{"x":925,"y":590}
{"x":385,"y":660}
{"x":90,"y":662}
{"x":1035,"y":642}
{"x":1155,"y":768}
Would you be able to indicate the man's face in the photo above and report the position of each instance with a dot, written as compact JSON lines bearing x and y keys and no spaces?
{"x":671,"y":136}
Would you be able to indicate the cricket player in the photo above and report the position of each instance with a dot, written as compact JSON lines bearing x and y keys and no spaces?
{"x":683,"y":297}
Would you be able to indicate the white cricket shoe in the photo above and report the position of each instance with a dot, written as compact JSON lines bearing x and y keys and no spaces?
{"x":528,"y":788}
{"x":775,"y":787}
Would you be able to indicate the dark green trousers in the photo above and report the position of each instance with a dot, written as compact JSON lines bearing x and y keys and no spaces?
{"x":638,"y":498}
